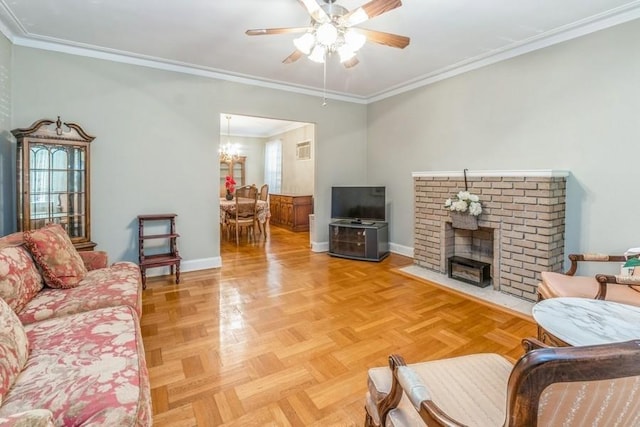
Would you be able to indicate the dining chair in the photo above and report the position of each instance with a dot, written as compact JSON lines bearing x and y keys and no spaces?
{"x":245,"y":213}
{"x":264,"y":192}
{"x":264,"y":196}
{"x":547,"y":386}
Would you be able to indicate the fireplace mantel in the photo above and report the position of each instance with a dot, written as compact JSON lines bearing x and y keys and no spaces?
{"x":533,"y":173}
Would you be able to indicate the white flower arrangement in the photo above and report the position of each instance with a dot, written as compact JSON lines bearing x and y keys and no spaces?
{"x":465,"y":202}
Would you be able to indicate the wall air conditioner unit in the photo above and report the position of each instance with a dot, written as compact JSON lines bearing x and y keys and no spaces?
{"x":303,"y":150}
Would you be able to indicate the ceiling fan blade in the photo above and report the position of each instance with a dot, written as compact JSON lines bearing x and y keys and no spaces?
{"x":293,"y":57}
{"x":370,"y":10}
{"x":268,"y":31}
{"x":388,"y":39}
{"x":350,"y":63}
{"x":316,"y":12}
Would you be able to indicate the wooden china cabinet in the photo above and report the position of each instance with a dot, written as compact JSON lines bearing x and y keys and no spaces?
{"x":53,"y":177}
{"x":234,"y":167}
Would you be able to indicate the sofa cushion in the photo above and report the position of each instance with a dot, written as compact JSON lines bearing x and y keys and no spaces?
{"x":20,"y":279}
{"x":87,"y":369}
{"x":32,"y":418}
{"x":14,"y":348}
{"x":56,"y":256}
{"x":119,"y":284}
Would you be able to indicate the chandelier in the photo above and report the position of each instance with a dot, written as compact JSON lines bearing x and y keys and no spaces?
{"x":228,"y":151}
{"x":330,"y":37}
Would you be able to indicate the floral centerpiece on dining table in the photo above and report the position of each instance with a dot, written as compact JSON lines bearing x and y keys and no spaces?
{"x":230,"y":185}
{"x":465,"y":208}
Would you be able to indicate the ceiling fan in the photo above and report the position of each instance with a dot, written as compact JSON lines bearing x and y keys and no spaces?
{"x":333,"y":30}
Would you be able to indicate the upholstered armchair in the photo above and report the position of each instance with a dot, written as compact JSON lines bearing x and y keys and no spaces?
{"x":617,"y":288}
{"x":546,"y":387}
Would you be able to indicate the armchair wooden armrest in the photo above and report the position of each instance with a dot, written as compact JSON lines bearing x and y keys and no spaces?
{"x":603,"y":279}
{"x":576,"y":258}
{"x":404,"y":379}
{"x":531,"y":343}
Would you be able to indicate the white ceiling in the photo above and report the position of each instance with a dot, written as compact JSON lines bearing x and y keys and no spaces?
{"x":207,"y":37}
{"x":248,"y":126}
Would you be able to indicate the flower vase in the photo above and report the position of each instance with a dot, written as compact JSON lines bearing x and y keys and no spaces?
{"x":464,"y":220}
{"x":229,"y":196}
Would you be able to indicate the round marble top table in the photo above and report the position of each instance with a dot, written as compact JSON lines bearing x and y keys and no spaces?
{"x":583,"y":321}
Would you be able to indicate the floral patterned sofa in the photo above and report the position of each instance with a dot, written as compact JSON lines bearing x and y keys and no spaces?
{"x":71,"y":350}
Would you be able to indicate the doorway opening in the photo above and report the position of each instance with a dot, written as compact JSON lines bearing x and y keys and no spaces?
{"x":279,"y":153}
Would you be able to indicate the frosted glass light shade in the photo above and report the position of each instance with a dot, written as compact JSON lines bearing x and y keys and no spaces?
{"x":304,"y":43}
{"x":346,"y":53}
{"x":318,"y":53}
{"x":327,"y":34}
{"x":354,"y":39}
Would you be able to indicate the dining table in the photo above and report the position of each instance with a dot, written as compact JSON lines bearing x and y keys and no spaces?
{"x":262,"y":208}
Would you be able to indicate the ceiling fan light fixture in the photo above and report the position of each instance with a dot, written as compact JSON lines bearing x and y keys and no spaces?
{"x":318,"y":53}
{"x":228,"y":151}
{"x":354,"y":39}
{"x":327,"y":34}
{"x":304,"y":43}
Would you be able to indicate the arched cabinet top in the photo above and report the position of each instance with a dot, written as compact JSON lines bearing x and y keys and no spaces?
{"x":54,"y":129}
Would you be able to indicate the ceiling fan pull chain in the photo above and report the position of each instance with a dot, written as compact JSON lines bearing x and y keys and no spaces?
{"x":324,"y":83}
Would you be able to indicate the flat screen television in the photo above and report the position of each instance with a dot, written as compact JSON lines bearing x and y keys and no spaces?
{"x":358,"y":203}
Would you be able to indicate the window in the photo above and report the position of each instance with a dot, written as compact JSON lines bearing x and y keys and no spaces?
{"x":273,"y":165}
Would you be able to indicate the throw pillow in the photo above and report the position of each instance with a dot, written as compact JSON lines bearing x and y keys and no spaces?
{"x":56,"y":256}
{"x":20,"y":279}
{"x":14,"y":347}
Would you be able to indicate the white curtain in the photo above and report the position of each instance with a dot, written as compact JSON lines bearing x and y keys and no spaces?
{"x":273,"y":165}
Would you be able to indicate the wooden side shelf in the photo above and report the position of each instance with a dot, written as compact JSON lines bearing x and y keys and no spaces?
{"x":171,"y":258}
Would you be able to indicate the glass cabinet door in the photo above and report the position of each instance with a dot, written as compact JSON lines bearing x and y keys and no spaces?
{"x":234,"y":168}
{"x":57,"y":178}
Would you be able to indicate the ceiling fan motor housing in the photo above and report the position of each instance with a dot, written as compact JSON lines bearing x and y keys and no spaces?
{"x":334,"y":10}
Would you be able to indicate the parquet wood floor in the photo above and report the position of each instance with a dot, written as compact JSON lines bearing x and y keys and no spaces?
{"x":282,"y":336}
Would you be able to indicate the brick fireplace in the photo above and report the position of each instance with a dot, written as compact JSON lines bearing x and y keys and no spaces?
{"x":521,"y":228}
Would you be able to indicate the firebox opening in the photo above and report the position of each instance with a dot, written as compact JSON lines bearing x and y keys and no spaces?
{"x":470,"y":254}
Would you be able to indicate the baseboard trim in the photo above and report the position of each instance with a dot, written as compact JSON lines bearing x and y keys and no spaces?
{"x":401,"y":250}
{"x":393,"y":247}
{"x":320,"y":246}
{"x":188,"y":265}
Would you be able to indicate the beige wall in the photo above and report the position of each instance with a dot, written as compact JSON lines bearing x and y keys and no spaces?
{"x":297,"y":175}
{"x":7,"y":156}
{"x":573,"y":106}
{"x":156,"y":141}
